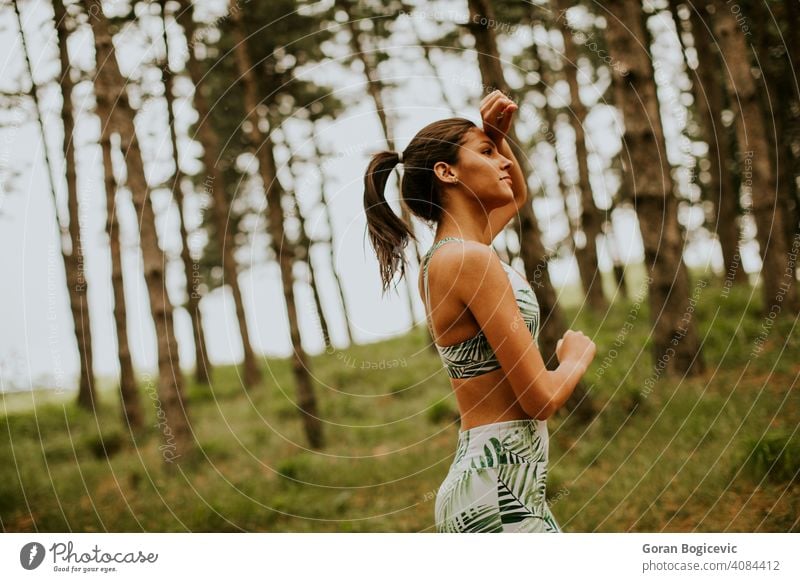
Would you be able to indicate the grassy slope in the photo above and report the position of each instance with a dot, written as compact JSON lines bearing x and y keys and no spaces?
{"x":674,"y":459}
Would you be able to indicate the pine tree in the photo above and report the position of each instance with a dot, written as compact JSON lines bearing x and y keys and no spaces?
{"x":70,"y":237}
{"x":203,"y":367}
{"x":676,"y":345}
{"x":262,"y":149}
{"x":779,"y":282}
{"x":117,"y":115}
{"x":215,"y":184}
{"x":591,"y":218}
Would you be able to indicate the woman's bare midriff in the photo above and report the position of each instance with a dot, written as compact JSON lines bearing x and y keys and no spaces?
{"x":486,"y":399}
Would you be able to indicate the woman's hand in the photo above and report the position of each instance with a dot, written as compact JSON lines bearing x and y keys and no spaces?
{"x":575,"y":346}
{"x":496,"y":112}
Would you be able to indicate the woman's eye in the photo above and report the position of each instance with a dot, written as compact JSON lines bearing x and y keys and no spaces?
{"x":487,"y":151}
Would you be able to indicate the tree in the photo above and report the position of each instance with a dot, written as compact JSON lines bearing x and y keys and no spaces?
{"x":676,"y":345}
{"x":117,"y":115}
{"x":262,"y":148}
{"x":215,"y":183}
{"x":778,"y":269}
{"x":129,"y":395}
{"x":710,"y":103}
{"x":591,"y":219}
{"x":202,"y":372}
{"x":790,"y":20}
{"x":303,"y":246}
{"x":777,"y":100}
{"x":70,"y":237}
{"x":547,"y":127}
{"x":331,"y":241}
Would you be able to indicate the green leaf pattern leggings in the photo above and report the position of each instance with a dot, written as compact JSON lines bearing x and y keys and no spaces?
{"x":497,"y":481}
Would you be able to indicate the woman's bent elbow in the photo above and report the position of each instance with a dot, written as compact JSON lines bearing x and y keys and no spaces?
{"x":541,"y":403}
{"x":541,"y":411}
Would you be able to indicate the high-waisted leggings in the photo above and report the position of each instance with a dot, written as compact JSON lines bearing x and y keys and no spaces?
{"x":497,"y":480}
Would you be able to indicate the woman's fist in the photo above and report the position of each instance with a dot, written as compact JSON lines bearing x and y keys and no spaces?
{"x":496,"y":112}
{"x":575,"y":346}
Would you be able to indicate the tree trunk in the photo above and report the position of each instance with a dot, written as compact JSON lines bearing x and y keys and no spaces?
{"x":676,"y":346}
{"x":331,"y":236}
{"x":710,"y":103}
{"x":203,"y":367}
{"x":693,"y":126}
{"x":304,"y":255}
{"x":777,"y":271}
{"x":303,"y":250}
{"x":215,"y":183}
{"x":613,"y":250}
{"x":616,"y":164}
{"x":624,"y":199}
{"x":531,"y":247}
{"x":71,"y":236}
{"x":775,"y":101}
{"x":792,"y":17}
{"x":131,"y":406}
{"x":117,"y":115}
{"x":547,"y":129}
{"x":591,"y":218}
{"x":130,"y":400}
{"x":263,"y":150}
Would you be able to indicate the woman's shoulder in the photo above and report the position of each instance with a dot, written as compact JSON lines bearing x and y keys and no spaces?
{"x":467,"y":262}
{"x":459,"y":253}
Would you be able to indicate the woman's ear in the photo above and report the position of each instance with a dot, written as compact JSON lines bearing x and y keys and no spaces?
{"x":444,"y":172}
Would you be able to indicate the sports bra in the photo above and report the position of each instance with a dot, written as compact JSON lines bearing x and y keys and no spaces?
{"x":474,"y":356}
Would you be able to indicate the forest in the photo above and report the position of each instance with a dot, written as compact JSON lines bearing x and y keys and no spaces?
{"x":193,"y":335}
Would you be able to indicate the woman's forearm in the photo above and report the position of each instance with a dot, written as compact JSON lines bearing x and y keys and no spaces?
{"x":518,"y":184}
{"x":564,"y":380}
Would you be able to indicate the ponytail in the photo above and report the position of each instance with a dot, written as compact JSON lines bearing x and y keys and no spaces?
{"x":419,"y":191}
{"x":388,"y":233}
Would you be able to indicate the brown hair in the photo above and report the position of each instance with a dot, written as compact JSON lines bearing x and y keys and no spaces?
{"x":389,"y":234}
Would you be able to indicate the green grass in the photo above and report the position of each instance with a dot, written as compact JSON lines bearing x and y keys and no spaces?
{"x":719,"y":452}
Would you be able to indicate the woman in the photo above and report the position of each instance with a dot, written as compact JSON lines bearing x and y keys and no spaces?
{"x":483,"y":316}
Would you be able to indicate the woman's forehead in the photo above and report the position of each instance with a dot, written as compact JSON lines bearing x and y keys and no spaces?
{"x":475,"y":135}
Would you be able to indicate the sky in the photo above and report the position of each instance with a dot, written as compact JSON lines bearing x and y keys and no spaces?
{"x":37,"y":343}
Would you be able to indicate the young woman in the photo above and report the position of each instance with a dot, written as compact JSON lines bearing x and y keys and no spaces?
{"x":483,"y":315}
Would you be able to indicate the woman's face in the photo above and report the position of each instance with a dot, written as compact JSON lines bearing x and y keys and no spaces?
{"x":482,"y":171}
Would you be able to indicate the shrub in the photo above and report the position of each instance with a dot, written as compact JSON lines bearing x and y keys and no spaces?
{"x":774,"y":456}
{"x":293,"y":468}
{"x":106,"y":444}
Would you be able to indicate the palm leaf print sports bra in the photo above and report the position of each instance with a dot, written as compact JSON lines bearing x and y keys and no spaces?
{"x":474,"y":356}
